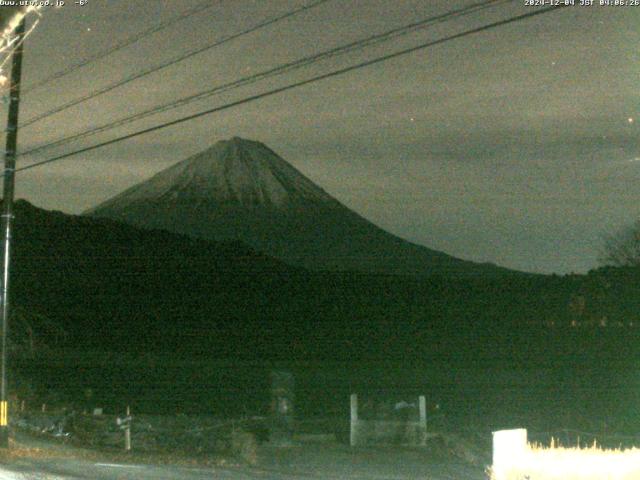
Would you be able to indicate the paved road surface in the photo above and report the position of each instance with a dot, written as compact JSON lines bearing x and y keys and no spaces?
{"x":318,"y":462}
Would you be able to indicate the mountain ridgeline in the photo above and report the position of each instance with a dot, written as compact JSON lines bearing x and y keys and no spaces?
{"x":241,"y":190}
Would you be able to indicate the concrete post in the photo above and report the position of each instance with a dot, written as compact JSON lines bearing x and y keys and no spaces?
{"x":127,"y":431}
{"x":282,"y":411}
{"x":422,"y":428}
{"x":354,"y":420}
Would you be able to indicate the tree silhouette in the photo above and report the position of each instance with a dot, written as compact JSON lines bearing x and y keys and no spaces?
{"x":622,"y":249}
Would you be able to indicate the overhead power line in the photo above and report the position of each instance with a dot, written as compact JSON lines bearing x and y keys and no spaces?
{"x":301,"y":83}
{"x":169,"y":63}
{"x":279,"y":70}
{"x":119,"y":46}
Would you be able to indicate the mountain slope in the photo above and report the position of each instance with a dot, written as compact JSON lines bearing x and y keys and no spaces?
{"x":241,"y":189}
{"x":115,"y":286}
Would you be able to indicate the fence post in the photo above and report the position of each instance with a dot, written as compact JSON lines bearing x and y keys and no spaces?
{"x":127,"y":431}
{"x":422,"y":428}
{"x":282,"y":408}
{"x":353,"y":439}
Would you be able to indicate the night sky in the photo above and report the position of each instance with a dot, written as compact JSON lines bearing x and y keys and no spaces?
{"x":517,"y":146}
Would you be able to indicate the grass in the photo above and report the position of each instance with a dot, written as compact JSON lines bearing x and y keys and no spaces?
{"x":34,"y":447}
{"x":178,"y":440}
{"x":572,"y":463}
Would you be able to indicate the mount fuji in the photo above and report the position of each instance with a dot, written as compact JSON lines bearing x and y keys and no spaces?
{"x":242,"y":190}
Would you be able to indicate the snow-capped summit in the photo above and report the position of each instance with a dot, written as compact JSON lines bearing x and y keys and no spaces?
{"x":237,"y":171}
{"x":240,"y":189}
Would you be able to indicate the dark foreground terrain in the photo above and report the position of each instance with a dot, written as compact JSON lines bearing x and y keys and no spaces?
{"x":34,"y":458}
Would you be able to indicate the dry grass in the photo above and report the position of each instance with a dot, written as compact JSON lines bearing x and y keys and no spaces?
{"x":180,"y":440}
{"x":33,"y":447}
{"x":18,"y":450}
{"x":577,"y":463}
{"x":244,"y":446}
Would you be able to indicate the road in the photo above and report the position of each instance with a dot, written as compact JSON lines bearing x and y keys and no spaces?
{"x":319,"y":462}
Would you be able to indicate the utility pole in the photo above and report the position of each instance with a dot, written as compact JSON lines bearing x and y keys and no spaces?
{"x":7,"y":217}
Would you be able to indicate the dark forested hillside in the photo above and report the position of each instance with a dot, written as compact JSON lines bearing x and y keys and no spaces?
{"x":115,"y":287}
